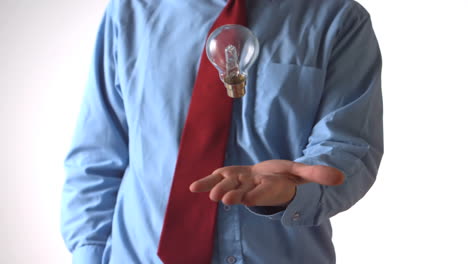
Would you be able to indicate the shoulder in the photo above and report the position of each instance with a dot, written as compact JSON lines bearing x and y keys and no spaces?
{"x":341,"y":14}
{"x":120,"y":8}
{"x":339,"y":7}
{"x":328,"y":13}
{"x":133,"y":13}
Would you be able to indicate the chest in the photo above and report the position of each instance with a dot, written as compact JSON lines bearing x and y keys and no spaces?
{"x":159,"y":54}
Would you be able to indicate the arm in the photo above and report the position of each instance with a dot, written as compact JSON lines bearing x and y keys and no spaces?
{"x":346,"y":141}
{"x":349,"y":133}
{"x":98,"y":157}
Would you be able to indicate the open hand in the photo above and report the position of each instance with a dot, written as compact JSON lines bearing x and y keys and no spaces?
{"x":269,"y":183}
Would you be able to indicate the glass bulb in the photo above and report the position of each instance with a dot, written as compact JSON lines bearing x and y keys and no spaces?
{"x":232,"y":49}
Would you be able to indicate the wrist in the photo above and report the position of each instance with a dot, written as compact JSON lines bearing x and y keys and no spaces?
{"x":290,"y":200}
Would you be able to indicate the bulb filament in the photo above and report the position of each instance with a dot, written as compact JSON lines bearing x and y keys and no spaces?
{"x":232,"y":65}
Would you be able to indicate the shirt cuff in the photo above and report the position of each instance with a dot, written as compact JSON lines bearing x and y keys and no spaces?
{"x":302,"y":210}
{"x":305,"y":207}
{"x":88,"y":255}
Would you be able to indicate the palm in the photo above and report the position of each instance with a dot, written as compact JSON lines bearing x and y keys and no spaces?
{"x":267,"y":183}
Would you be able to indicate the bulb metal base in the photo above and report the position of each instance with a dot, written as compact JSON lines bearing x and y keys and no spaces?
{"x":235,"y":85}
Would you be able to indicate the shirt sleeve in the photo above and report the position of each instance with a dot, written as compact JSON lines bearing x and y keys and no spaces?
{"x":349,"y":132}
{"x":98,"y":157}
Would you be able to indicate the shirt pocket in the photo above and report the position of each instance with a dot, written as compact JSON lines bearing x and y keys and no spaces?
{"x":287,"y":98}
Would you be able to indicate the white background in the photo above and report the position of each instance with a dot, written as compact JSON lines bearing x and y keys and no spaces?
{"x":415,"y":213}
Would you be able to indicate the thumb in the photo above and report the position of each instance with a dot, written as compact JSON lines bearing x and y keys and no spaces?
{"x":320,"y":174}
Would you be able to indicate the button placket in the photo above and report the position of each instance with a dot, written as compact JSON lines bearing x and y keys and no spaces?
{"x":229,"y":243}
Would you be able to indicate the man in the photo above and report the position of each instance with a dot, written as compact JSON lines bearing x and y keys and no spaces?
{"x":304,"y":144}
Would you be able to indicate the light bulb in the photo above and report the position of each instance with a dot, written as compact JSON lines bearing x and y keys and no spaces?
{"x":232,"y":49}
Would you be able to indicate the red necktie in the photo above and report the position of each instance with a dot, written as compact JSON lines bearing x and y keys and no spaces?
{"x":189,"y":224}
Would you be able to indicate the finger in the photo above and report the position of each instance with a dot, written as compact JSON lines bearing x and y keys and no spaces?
{"x":259,"y":196}
{"x":237,"y":195}
{"x":320,"y":174}
{"x":206,"y":184}
{"x":224,"y":186}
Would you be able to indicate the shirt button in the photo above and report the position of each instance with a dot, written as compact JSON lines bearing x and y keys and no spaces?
{"x":231,"y":259}
{"x":296,"y":216}
{"x":227,"y":208}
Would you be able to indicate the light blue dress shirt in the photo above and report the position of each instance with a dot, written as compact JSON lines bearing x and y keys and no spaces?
{"x":313,"y":96}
